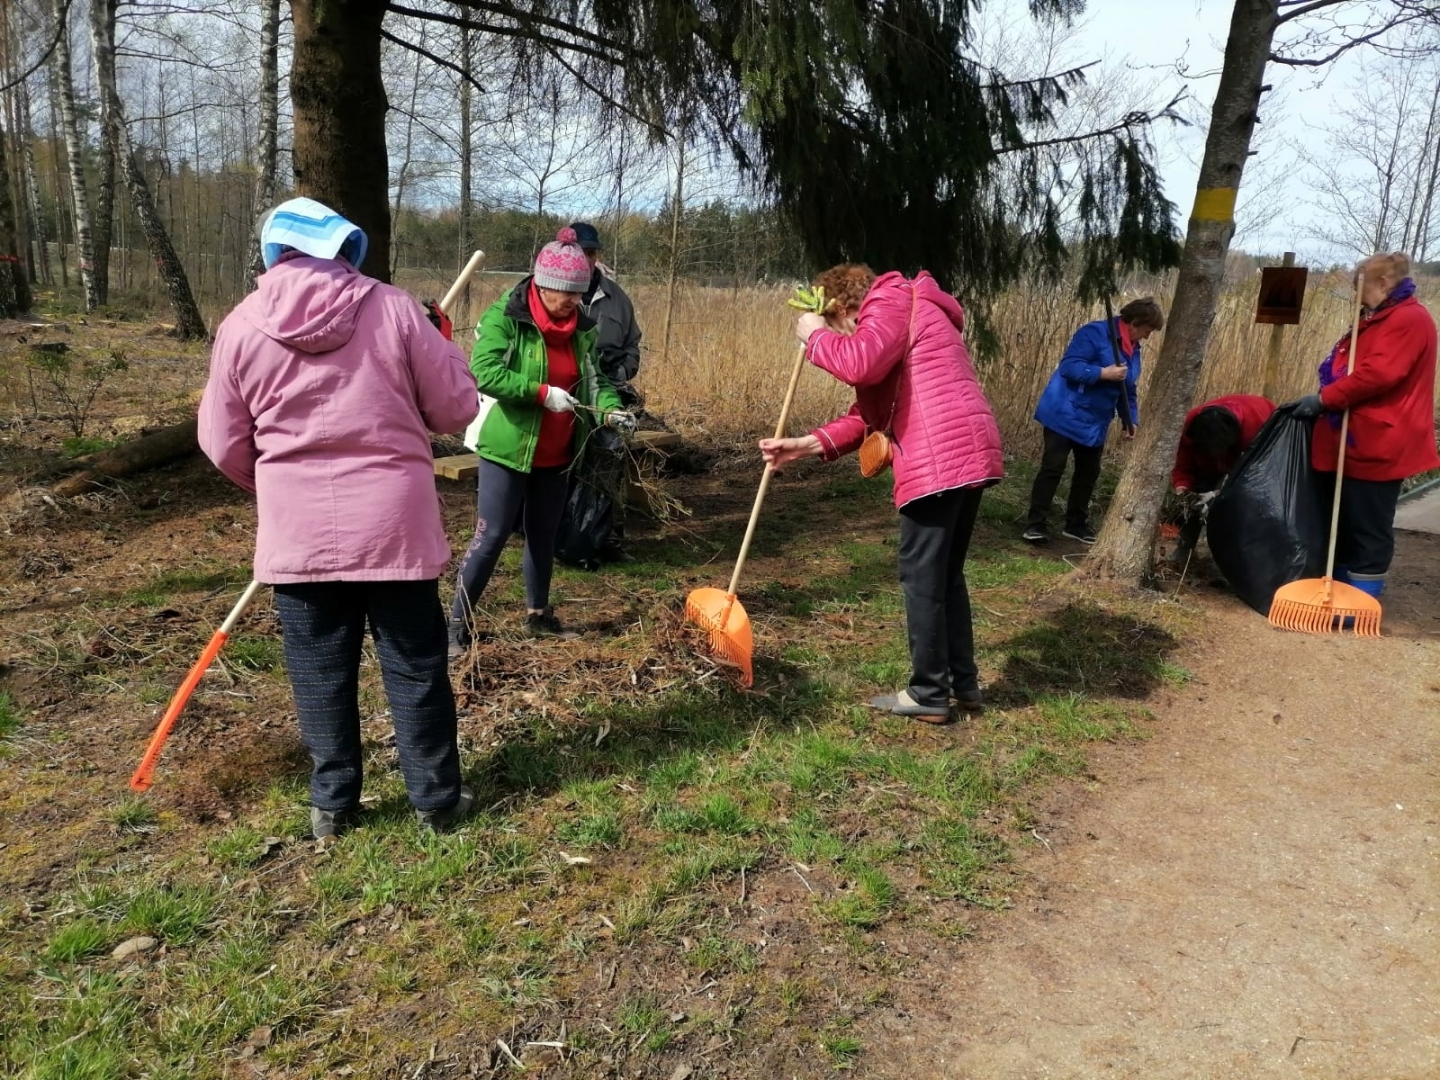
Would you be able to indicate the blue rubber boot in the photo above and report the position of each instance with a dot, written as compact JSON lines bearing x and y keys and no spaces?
{"x":1369,"y":584}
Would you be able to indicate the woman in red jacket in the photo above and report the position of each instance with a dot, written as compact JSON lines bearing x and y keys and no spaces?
{"x":898,"y":343}
{"x":1211,"y":442}
{"x":1391,"y":398}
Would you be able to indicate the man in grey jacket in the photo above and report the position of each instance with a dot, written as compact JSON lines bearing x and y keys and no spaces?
{"x":617,"y":346}
{"x":618,"y":342}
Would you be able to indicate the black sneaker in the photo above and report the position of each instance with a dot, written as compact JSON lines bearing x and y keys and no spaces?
{"x":545,"y":624}
{"x":328,"y":824}
{"x":614,"y":553}
{"x":1035,"y":534}
{"x":1083,"y":533}
{"x":447,"y":819}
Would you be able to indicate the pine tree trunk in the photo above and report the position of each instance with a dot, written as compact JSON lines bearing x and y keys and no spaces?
{"x":32,"y":186}
{"x":14,"y":282}
{"x":188,"y":323}
{"x":102,"y":224}
{"x":19,"y":192}
{"x":75,"y":162}
{"x":269,"y":131}
{"x":1125,"y":549}
{"x":338,"y":97}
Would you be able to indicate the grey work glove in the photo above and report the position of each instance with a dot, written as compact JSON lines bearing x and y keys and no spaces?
{"x":1308,"y":407}
{"x":621,"y":421}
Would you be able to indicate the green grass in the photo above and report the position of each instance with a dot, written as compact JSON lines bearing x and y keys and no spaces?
{"x":628,"y":828}
{"x":10,"y":718}
{"x":78,"y":940}
{"x":163,"y":588}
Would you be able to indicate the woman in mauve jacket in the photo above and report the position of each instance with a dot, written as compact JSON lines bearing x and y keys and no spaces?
{"x":1391,"y":398}
{"x":324,"y":387}
{"x":898,"y":343}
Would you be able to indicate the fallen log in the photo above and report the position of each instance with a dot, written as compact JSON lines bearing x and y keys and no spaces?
{"x":157,"y":448}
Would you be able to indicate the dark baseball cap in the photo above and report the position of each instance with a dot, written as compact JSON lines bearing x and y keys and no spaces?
{"x":586,"y":235}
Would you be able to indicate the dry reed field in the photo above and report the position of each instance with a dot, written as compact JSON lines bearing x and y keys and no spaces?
{"x":731,"y":349}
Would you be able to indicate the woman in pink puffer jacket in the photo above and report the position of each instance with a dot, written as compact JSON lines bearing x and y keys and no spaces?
{"x":898,"y":342}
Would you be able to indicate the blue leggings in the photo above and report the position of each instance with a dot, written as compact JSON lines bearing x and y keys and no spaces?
{"x":323,"y":625}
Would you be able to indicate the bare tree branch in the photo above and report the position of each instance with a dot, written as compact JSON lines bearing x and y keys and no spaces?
{"x":61,"y":25}
{"x":428,"y":55}
{"x":619,"y":54}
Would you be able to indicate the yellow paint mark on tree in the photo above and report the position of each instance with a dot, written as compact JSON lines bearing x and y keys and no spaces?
{"x":1214,"y":204}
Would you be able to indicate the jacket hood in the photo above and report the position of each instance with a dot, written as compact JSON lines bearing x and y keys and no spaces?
{"x":927,"y":288}
{"x":307,"y":303}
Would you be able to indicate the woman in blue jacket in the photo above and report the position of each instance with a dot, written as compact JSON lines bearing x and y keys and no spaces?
{"x":1095,"y":382}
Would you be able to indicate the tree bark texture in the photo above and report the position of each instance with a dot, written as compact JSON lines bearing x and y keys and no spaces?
{"x":15,"y":294}
{"x":158,"y":447}
{"x":32,"y":185}
{"x":102,"y":225}
{"x":269,"y":131}
{"x":188,"y":322}
{"x":75,"y":164}
{"x":338,"y":97}
{"x":467,"y":135}
{"x":1125,"y":548}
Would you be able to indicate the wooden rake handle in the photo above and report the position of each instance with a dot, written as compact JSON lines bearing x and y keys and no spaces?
{"x":471,"y":268}
{"x":1344,"y":435}
{"x":765,"y":478}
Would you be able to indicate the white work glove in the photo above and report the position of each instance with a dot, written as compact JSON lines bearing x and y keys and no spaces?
{"x":557,"y":400}
{"x":621,"y":421}
{"x":1203,"y":501}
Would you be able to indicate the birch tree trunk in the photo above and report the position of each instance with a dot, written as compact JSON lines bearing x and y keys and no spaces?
{"x":188,"y":323}
{"x":57,"y":159}
{"x":1125,"y":548}
{"x":75,"y":163}
{"x":269,"y":133}
{"x":338,"y":96}
{"x":102,"y":225}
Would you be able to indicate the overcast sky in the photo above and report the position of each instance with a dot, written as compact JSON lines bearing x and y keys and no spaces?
{"x":1153,"y":36}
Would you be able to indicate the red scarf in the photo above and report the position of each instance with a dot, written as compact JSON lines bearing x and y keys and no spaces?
{"x":554,"y":446}
{"x":1127,"y":343}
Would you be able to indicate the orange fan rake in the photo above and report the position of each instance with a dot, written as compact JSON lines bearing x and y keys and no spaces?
{"x":1324,"y":605}
{"x":718,"y":612}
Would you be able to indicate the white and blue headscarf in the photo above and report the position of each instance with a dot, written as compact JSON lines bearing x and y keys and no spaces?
{"x":312,"y":227}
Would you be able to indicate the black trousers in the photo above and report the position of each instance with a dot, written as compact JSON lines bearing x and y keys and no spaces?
{"x":934,"y":539}
{"x":1365,"y":543}
{"x":1082,"y":484}
{"x":505,"y":496}
{"x":323,"y":625}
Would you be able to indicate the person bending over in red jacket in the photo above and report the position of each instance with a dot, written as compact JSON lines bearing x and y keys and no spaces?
{"x":1391,"y":398}
{"x":1213,"y":438}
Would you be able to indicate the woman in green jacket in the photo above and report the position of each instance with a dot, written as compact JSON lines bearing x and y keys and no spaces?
{"x":535,"y":366}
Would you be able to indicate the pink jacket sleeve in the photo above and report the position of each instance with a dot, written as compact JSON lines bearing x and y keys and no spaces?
{"x":842,"y":435}
{"x":444,"y":387}
{"x":226,"y":428}
{"x":865,"y":357}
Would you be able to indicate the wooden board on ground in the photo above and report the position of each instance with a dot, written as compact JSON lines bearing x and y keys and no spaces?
{"x":466,"y":466}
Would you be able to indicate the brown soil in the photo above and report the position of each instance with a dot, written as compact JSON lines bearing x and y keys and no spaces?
{"x":1249,"y":893}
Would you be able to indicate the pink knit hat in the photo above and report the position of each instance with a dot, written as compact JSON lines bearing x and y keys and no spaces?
{"x":561,"y":264}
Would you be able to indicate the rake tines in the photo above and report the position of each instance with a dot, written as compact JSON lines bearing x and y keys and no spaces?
{"x":1327,"y":616}
{"x":732,"y":642}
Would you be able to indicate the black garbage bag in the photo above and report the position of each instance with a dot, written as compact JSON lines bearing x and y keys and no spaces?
{"x":596,"y":483}
{"x":1270,"y":523}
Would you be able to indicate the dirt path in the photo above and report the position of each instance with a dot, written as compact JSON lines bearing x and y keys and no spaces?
{"x":1251,"y":893}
